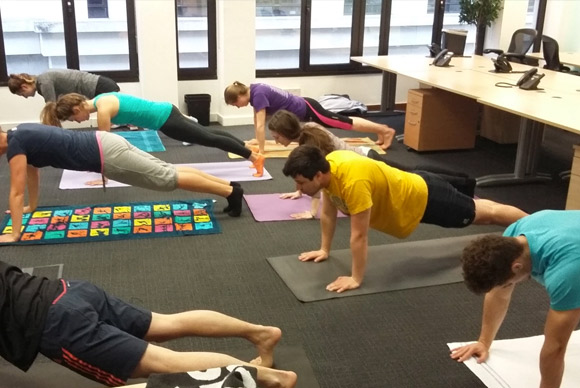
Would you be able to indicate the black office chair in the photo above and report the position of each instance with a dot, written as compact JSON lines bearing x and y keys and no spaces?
{"x":521,"y":42}
{"x":551,"y":52}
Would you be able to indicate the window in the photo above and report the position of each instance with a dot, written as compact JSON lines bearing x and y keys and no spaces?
{"x":98,"y":38}
{"x":196,"y":39}
{"x":97,"y":9}
{"x":451,"y":6}
{"x":297,"y":37}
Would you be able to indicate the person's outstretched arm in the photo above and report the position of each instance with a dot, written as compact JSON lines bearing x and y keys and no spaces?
{"x":359,"y":230}
{"x":495,"y":306}
{"x":18,"y":178}
{"x":260,"y":128}
{"x":33,"y":175}
{"x":557,"y":331}
{"x":327,"y":228}
{"x":107,"y":108}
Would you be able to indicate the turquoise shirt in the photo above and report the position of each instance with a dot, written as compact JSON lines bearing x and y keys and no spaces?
{"x":554,"y":240}
{"x":137,"y":111}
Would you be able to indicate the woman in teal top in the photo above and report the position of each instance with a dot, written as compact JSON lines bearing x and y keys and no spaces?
{"x":121,"y":109}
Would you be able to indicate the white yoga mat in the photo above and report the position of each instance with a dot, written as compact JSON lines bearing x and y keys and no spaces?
{"x":230,"y":171}
{"x":514,"y":363}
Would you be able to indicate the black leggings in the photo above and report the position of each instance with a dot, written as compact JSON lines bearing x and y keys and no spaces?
{"x":316,"y":112}
{"x":181,"y":128}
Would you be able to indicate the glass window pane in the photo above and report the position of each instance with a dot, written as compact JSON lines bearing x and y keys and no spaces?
{"x":102,"y":41}
{"x":330,"y":32}
{"x":192,"y":33}
{"x":33,"y":35}
{"x":372,"y":27}
{"x":451,"y":22}
{"x":532,"y":14}
{"x":277,"y":34}
{"x":411,"y":27}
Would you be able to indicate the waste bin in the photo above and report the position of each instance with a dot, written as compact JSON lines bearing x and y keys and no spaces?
{"x":198,"y":107}
{"x":454,"y":41}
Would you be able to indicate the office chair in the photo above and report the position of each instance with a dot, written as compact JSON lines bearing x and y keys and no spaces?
{"x":521,"y":42}
{"x":551,"y":52}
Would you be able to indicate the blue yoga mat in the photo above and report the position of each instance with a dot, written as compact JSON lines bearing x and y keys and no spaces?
{"x":147,"y":141}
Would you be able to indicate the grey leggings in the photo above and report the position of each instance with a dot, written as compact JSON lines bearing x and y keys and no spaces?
{"x":123,"y":162}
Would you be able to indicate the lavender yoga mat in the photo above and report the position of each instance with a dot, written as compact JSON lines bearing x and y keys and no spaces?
{"x":270,"y":207}
{"x":230,"y":171}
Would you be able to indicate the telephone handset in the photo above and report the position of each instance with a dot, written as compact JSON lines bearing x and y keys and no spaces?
{"x":501,"y":64}
{"x":443,"y":58}
{"x":530,"y":80}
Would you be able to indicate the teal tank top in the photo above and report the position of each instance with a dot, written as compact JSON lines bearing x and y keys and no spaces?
{"x":137,"y":111}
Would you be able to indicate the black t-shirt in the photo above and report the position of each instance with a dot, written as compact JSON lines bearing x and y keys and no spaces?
{"x":44,"y":146}
{"x":24,"y":302}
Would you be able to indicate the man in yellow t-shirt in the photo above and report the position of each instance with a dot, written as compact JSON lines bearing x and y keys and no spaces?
{"x":384,"y":198}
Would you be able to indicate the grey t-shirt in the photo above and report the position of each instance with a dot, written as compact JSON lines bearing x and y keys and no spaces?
{"x":337,"y":142}
{"x":56,"y":82}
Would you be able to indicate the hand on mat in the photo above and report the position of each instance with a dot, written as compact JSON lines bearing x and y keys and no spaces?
{"x":317,"y":256}
{"x":251,"y":142}
{"x":343,"y":283}
{"x":295,"y":195}
{"x":96,"y":182}
{"x":25,"y":209}
{"x":477,"y":349}
{"x":305,"y":215}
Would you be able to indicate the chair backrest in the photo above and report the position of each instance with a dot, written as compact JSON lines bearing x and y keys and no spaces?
{"x":522,"y":40}
{"x":551,"y":53}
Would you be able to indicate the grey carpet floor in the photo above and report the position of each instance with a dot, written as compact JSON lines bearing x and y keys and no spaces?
{"x":392,"y":339}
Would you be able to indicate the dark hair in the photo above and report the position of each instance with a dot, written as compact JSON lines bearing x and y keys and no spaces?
{"x":315,"y":135}
{"x":305,"y":160}
{"x":286,"y":124}
{"x":487,"y":262}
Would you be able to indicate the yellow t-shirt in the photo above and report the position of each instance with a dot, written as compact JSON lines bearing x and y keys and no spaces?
{"x":397,"y":199}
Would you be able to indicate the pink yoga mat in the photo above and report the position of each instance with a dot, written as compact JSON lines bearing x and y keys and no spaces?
{"x":270,"y":207}
{"x":230,"y":171}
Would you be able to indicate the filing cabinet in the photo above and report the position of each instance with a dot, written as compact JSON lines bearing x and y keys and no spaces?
{"x":573,"y":200}
{"x":439,"y":120}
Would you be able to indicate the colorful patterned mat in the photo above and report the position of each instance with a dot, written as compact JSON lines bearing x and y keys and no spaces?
{"x":69,"y":224}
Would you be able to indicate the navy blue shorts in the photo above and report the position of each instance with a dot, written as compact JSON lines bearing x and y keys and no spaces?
{"x":95,"y":334}
{"x":446,"y":206}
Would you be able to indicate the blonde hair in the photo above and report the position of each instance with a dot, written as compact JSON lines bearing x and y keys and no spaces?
{"x":233,"y":91}
{"x":16,"y":81}
{"x":55,"y":112}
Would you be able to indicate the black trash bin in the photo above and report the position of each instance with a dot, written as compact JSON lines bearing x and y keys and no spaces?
{"x":198,"y":107}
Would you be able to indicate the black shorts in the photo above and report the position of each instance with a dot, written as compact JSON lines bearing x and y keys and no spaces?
{"x":106,"y":85}
{"x":95,"y":334}
{"x":446,"y":206}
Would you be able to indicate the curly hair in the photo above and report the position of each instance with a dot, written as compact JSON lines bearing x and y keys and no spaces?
{"x":487,"y":262}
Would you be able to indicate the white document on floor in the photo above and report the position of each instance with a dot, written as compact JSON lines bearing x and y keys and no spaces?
{"x":514,"y":363}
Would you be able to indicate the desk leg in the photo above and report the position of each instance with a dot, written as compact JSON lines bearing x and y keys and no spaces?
{"x":388,"y":91}
{"x":529,"y":141}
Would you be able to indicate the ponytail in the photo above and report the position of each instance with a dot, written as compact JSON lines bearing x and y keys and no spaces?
{"x":48,"y":115}
{"x":15,"y":81}
{"x":314,"y":135}
{"x":233,"y":91}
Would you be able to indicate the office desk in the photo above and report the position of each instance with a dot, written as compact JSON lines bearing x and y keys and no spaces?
{"x":470,"y":77}
{"x":572,"y":59}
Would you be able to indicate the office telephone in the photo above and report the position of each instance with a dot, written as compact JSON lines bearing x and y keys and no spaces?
{"x":443,"y":58}
{"x":530,"y":80}
{"x":501,"y":64}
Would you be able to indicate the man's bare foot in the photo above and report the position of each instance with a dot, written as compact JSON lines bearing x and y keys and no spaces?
{"x":265,"y":341}
{"x":386,"y":138}
{"x":273,"y":378}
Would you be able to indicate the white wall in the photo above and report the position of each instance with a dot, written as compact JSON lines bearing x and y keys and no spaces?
{"x":236,"y":58}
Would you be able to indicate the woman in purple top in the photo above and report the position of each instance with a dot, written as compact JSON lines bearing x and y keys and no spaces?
{"x":267,"y":100}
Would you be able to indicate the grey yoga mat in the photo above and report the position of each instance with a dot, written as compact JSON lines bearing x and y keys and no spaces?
{"x":389,"y":267}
